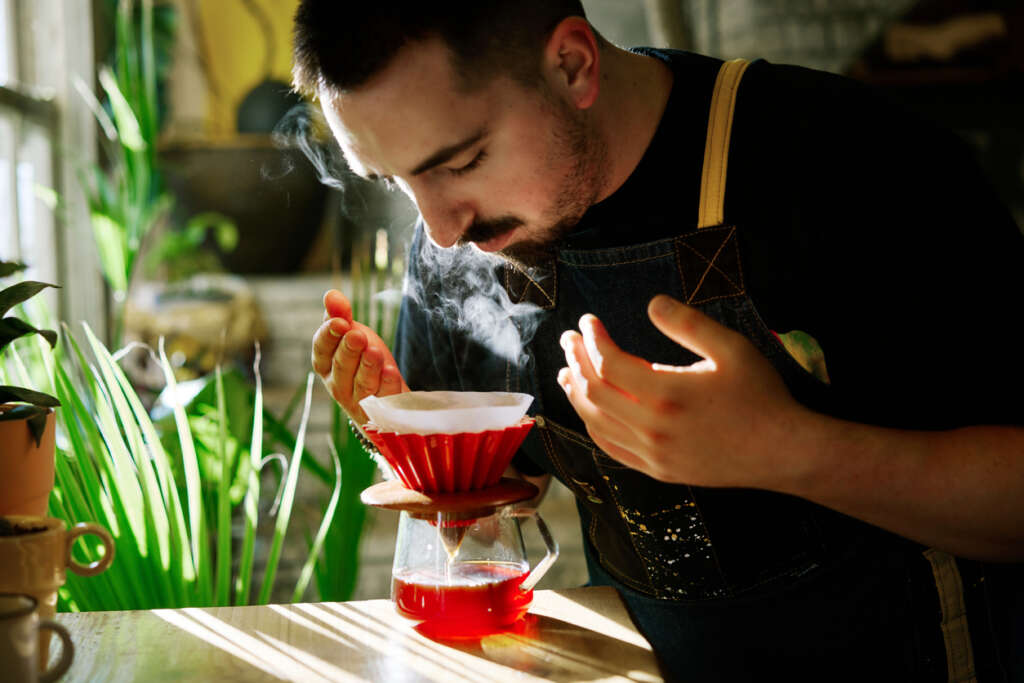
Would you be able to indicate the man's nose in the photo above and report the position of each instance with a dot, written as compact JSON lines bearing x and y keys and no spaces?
{"x":445,"y":220}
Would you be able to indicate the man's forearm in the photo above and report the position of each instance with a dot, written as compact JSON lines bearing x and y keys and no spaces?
{"x":961,"y":491}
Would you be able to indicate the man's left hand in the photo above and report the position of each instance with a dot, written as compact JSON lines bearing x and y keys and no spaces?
{"x":722,"y":421}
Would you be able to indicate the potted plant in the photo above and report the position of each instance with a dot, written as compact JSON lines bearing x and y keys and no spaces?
{"x":26,"y":416}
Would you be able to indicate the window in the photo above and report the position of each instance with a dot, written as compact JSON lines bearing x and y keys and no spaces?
{"x":46,"y":138}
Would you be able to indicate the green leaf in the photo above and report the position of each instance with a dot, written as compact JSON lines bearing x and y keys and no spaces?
{"x":36,"y":398}
{"x":252,"y":496}
{"x":47,"y":195}
{"x":127,"y":124}
{"x":284,"y":513}
{"x":223,"y":587}
{"x":318,"y":544}
{"x":23,"y":291}
{"x":193,"y":485}
{"x":227,"y":235}
{"x":110,"y":240}
{"x":12,"y":328}
{"x":11,"y":267}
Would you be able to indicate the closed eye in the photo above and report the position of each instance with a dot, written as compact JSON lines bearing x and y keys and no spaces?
{"x":477,"y":160}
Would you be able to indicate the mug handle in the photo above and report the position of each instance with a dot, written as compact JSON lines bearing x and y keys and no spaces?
{"x":550,"y":545}
{"x":99,"y":565}
{"x":67,"y":651}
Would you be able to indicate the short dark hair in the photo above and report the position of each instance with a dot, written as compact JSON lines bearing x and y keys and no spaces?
{"x":340,"y":44}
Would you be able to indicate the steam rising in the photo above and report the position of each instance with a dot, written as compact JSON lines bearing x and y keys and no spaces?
{"x":301,"y":129}
{"x":460,"y":287}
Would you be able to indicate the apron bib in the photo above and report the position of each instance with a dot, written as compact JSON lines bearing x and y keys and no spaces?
{"x":668,"y":540}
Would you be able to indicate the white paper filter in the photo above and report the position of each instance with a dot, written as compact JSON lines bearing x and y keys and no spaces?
{"x":446,"y":412}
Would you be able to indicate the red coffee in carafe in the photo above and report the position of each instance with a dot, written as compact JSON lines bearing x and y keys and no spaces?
{"x":470,"y":597}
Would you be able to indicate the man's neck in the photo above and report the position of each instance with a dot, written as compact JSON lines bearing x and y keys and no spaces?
{"x":634,"y":92}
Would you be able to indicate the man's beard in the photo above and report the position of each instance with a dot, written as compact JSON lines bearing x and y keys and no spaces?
{"x":578,"y":190}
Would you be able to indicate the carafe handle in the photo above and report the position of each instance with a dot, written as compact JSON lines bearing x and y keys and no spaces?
{"x":550,"y":544}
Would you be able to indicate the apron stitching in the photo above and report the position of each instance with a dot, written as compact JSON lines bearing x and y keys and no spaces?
{"x":711,"y":264}
{"x":508,"y":285}
{"x":571,"y":435}
{"x":550,"y":448}
{"x":616,"y":263}
{"x":543,"y":291}
{"x":679,"y":267}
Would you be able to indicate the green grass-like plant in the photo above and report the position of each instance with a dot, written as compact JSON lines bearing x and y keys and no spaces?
{"x":173,"y":488}
{"x":112,"y":468}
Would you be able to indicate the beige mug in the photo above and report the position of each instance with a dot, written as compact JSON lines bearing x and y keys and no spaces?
{"x":19,"y":626}
{"x":36,"y":563}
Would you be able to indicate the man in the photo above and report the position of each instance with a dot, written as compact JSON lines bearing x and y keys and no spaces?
{"x":814,"y":487}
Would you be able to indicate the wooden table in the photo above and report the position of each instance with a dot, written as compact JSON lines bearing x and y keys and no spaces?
{"x":580,"y":634}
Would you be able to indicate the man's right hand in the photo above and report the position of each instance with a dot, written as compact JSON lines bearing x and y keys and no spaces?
{"x":351,"y":359}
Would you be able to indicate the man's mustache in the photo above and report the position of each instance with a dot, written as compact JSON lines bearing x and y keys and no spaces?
{"x":482,"y":231}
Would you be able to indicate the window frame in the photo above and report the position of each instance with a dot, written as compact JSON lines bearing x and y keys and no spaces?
{"x":56,"y":107}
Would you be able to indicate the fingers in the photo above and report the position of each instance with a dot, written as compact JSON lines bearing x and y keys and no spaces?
{"x":361,"y":367}
{"x":352,"y":359}
{"x":336,"y":305}
{"x":391,"y":381}
{"x":610,"y":415}
{"x":689,"y":327}
{"x":325,"y":343}
{"x":367,"y":378}
{"x":598,"y":392}
{"x":628,"y":373}
{"x":608,"y":433}
{"x":346,"y":363}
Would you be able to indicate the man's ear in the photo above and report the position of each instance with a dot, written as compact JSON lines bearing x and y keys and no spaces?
{"x":572,"y":61}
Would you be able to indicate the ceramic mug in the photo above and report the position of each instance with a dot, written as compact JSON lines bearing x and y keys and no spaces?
{"x":36,"y":563}
{"x":19,"y":626}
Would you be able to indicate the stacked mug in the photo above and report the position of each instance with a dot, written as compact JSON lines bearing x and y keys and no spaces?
{"x":36,"y":554}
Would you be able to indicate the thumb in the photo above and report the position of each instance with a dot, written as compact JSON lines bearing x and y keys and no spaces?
{"x":688,"y":327}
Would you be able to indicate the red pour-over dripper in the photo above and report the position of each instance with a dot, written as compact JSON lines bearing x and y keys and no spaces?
{"x":450,"y":463}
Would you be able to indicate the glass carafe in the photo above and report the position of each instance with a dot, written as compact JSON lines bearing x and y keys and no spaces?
{"x":466,"y":572}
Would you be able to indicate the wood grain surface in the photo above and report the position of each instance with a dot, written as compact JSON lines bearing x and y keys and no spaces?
{"x":581,"y":634}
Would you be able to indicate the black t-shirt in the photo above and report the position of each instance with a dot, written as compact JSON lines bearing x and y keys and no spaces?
{"x":869,"y":229}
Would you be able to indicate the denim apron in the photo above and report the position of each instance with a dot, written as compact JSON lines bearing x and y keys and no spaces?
{"x":727,"y":584}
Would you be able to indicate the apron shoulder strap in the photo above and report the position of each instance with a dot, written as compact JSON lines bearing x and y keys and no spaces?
{"x":716,"y":147}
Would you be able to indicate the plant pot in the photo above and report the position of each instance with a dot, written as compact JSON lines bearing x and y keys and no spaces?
{"x":26,"y":469}
{"x":274,"y":196}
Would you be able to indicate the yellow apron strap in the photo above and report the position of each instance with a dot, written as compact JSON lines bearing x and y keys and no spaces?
{"x":716,"y":148}
{"x":955,"y":633}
